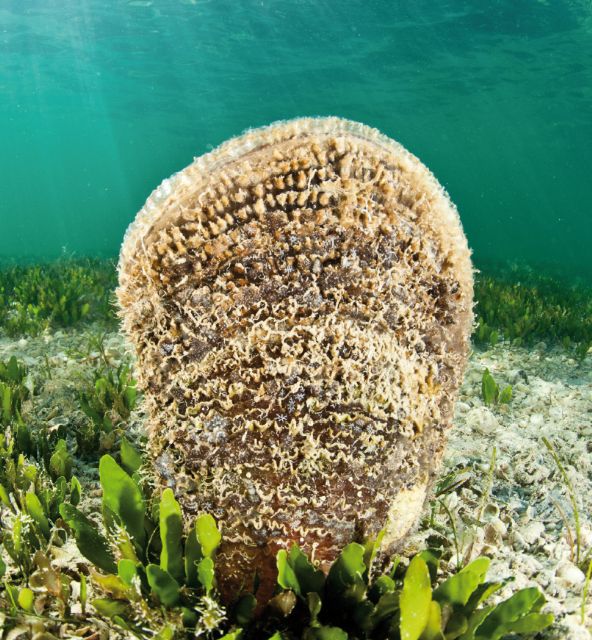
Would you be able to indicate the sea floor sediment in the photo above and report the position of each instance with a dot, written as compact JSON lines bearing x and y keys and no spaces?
{"x":522,"y":526}
{"x":517,"y":511}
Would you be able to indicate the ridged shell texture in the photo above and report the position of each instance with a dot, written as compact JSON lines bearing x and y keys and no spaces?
{"x":300,"y":300}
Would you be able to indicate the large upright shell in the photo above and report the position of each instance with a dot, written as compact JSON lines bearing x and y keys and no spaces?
{"x":300,"y":300}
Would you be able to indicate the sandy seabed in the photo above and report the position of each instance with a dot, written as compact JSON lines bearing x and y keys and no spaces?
{"x":521,"y":526}
{"x":518,"y":523}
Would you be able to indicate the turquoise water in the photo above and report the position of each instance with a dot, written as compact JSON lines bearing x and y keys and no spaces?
{"x":101,"y":100}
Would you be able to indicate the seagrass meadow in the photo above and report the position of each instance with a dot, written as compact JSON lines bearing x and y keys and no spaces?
{"x":295,"y":320}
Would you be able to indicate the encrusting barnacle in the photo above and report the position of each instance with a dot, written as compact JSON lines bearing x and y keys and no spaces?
{"x":300,"y":301}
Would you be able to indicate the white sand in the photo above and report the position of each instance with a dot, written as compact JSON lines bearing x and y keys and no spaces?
{"x":524,"y":531}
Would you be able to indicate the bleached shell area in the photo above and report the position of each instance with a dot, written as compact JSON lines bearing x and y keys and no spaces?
{"x":520,"y":526}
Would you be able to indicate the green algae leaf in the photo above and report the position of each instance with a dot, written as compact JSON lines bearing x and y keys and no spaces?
{"x":489,"y":388}
{"x":236,"y":635}
{"x":124,"y":542}
{"x":325,"y":633}
{"x":383,"y":584}
{"x":166,"y":633}
{"x":474,"y":622}
{"x":83,"y":592}
{"x":124,"y":624}
{"x":16,"y":547}
{"x":60,"y":463}
{"x":205,"y":574}
{"x":75,"y":491}
{"x":12,"y":593}
{"x":131,"y":459}
{"x":208,"y":534}
{"x":113,"y":585}
{"x":171,"y":530}
{"x":193,"y":555}
{"x":110,"y":608}
{"x":130,"y":395}
{"x":314,"y":603}
{"x":4,"y":495}
{"x":517,"y":614}
{"x":371,"y":548}
{"x":457,"y":625}
{"x":35,"y":510}
{"x":15,"y":373}
{"x":432,"y":556}
{"x":123,"y":498}
{"x":163,"y":585}
{"x":386,"y":608}
{"x":244,"y":608}
{"x":506,"y":395}
{"x":91,"y":543}
{"x":188,"y":617}
{"x":22,"y":436}
{"x":6,"y":402}
{"x":458,"y":588}
{"x":346,"y":576}
{"x":276,"y":636}
{"x":29,"y":472}
{"x":433,"y":629}
{"x":286,"y":575}
{"x":26,"y":599}
{"x":309,"y":579}
{"x":364,"y":615}
{"x":530,"y":623}
{"x":415,"y":599}
{"x":297,"y":573}
{"x":127,"y":570}
{"x":482,"y":592}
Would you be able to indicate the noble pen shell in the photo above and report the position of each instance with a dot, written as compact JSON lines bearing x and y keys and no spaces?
{"x":300,"y":300}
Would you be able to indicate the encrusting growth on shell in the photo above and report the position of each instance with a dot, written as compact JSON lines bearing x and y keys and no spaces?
{"x":300,"y":300}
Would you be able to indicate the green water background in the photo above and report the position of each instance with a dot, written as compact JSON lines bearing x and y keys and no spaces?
{"x":101,"y":100}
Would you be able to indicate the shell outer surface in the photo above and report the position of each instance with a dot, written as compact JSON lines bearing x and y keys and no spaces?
{"x":300,"y":301}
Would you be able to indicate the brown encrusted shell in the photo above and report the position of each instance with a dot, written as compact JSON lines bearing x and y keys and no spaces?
{"x":300,"y":300}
